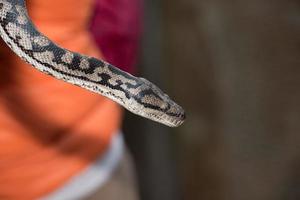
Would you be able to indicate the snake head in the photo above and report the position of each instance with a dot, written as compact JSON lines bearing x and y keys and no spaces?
{"x":158,"y":106}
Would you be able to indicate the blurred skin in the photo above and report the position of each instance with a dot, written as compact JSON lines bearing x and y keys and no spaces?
{"x":50,"y":130}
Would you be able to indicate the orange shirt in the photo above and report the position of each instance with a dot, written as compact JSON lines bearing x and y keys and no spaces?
{"x":50,"y":130}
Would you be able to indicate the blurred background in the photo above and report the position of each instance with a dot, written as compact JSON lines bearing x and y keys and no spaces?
{"x":235,"y":67}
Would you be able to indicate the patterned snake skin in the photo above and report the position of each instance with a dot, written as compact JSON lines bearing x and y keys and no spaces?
{"x":135,"y":94}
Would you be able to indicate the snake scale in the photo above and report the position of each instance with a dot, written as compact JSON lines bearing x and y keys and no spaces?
{"x":136,"y":94}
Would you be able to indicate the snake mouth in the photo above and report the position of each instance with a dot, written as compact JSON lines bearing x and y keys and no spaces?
{"x":167,"y":118}
{"x":172,"y":121}
{"x":173,"y":117}
{"x":175,"y":121}
{"x":175,"y":114}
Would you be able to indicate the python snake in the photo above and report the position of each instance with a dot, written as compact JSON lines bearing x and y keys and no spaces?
{"x":136,"y":94}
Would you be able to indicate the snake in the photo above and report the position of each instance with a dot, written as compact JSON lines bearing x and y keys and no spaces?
{"x":136,"y":94}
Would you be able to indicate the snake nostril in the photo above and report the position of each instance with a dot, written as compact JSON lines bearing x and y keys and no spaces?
{"x":183,"y":116}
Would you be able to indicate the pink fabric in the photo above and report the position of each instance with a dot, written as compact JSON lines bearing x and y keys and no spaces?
{"x":116,"y":27}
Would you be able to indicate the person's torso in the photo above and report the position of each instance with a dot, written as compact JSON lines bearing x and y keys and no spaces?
{"x":50,"y":130}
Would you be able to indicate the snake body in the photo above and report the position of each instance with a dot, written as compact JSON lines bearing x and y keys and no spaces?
{"x":137,"y":95}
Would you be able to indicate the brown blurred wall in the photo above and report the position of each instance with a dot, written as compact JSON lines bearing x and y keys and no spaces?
{"x":235,"y":67}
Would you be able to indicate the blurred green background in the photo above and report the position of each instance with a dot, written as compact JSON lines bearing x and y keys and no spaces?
{"x":235,"y":67}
